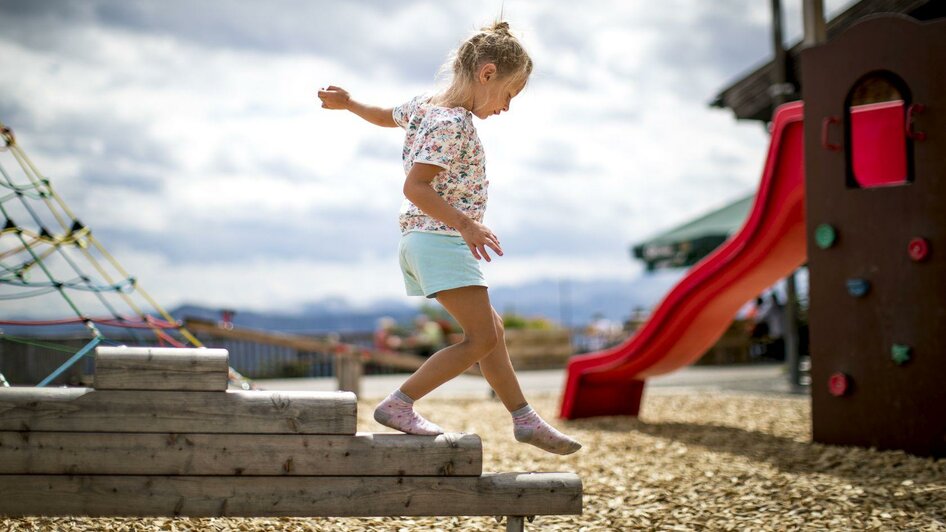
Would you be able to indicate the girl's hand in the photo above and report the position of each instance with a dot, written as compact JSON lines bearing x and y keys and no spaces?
{"x":334,"y":98}
{"x":479,"y":237}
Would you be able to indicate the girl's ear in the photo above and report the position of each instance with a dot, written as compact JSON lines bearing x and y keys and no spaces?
{"x":487,"y":72}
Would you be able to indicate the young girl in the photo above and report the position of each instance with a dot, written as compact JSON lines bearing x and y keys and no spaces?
{"x":443,"y":236}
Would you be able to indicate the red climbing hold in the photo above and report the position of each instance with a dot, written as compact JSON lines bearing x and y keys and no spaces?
{"x":919,"y":249}
{"x":838,"y":384}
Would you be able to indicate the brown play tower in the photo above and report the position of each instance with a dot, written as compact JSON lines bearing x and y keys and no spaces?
{"x":876,"y":222}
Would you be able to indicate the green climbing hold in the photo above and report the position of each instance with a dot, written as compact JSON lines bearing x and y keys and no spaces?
{"x":825,"y":236}
{"x":900,"y":354}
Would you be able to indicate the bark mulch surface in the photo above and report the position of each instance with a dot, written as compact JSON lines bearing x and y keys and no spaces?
{"x":693,"y":461}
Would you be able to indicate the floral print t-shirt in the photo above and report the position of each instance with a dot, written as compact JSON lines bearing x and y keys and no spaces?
{"x":443,"y":137}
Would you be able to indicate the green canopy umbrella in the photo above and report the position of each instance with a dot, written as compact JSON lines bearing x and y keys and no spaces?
{"x":685,"y":245}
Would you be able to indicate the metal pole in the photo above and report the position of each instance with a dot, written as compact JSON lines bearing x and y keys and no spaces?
{"x":815,"y":27}
{"x":778,"y":89}
{"x":792,"y":358}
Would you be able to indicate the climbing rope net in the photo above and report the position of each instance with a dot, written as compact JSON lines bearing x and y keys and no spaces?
{"x":52,"y":264}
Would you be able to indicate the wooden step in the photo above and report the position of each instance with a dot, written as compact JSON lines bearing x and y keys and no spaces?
{"x":233,"y":411}
{"x":137,"y":496}
{"x":364,"y":454}
{"x":155,"y":368}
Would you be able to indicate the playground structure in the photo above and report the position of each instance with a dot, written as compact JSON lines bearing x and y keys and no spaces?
{"x":876,"y":182}
{"x":48,"y":256}
{"x":873,"y":181}
{"x":160,"y":435}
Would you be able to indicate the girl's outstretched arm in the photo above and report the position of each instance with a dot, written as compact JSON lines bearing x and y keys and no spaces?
{"x":338,"y":98}
{"x":418,"y":189}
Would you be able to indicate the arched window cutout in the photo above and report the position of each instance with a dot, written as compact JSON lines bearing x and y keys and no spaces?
{"x":879,"y":153}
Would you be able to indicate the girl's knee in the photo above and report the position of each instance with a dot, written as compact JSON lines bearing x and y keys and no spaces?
{"x":483,"y":342}
{"x":500,"y":328}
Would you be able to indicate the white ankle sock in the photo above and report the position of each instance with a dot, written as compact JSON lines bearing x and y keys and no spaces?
{"x":529,"y":428}
{"x":397,"y":412}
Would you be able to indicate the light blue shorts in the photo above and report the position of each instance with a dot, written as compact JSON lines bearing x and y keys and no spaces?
{"x":432,"y":262}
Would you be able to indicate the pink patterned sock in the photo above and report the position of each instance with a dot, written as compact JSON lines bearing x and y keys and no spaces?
{"x":529,"y":428}
{"x":397,"y":412}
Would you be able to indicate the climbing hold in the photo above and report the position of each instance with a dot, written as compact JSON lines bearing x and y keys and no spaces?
{"x":900,"y":354}
{"x":858,"y":287}
{"x":838,"y":384}
{"x":825,"y":236}
{"x":919,"y":249}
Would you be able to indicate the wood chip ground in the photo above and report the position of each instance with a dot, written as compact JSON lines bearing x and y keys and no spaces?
{"x":691,"y":462}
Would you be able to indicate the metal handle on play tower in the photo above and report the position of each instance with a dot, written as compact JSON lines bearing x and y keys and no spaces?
{"x":915,"y":135}
{"x":825,"y":127}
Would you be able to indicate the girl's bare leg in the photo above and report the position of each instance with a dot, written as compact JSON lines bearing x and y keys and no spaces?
{"x":484,"y":342}
{"x":499,"y":373}
{"x":470,"y":306}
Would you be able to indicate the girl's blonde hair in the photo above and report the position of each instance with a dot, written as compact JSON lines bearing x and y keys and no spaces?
{"x":492,"y":44}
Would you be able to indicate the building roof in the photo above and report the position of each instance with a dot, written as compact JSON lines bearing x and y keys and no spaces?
{"x":749,"y":97}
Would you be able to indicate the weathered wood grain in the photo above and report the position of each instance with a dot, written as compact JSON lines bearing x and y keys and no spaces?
{"x":153,"y":368}
{"x":364,"y":454}
{"x":105,"y":495}
{"x":235,"y":411}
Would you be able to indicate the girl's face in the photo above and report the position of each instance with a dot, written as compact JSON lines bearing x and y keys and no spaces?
{"x":493,"y":93}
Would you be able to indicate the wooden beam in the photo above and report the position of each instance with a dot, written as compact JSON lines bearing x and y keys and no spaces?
{"x":236,"y":411}
{"x":364,"y":454}
{"x":292,"y":341}
{"x":152,"y":368}
{"x":139,"y":496}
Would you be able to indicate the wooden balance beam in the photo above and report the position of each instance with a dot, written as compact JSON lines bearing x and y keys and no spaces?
{"x":160,"y":435}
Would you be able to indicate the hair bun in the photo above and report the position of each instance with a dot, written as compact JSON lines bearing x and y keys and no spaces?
{"x":500,"y":26}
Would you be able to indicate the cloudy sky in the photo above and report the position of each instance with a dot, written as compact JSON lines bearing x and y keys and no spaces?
{"x":188,"y":136}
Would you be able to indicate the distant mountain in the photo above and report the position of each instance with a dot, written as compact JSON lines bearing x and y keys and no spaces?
{"x":576,"y":302}
{"x":332,"y":315}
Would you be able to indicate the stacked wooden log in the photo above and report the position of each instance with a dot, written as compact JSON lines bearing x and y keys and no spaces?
{"x":160,"y":434}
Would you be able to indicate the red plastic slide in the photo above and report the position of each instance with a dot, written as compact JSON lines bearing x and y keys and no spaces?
{"x":697,"y":311}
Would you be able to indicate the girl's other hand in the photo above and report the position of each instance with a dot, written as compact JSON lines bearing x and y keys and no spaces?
{"x":334,"y":98}
{"x":479,"y":237}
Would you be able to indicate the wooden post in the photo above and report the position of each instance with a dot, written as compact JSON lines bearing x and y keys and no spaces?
{"x":348,"y":371}
{"x":515,"y":523}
